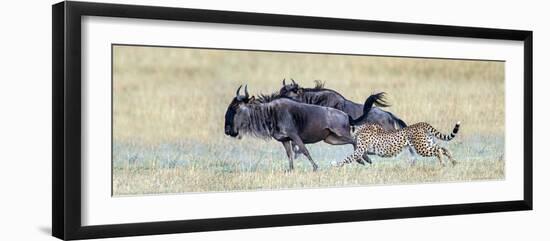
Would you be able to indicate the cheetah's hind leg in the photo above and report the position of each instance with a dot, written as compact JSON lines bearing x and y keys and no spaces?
{"x":448,"y":154}
{"x":439,"y":154}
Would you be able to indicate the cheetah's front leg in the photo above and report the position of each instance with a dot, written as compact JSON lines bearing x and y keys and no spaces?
{"x":353,"y":157}
{"x":366,"y":157}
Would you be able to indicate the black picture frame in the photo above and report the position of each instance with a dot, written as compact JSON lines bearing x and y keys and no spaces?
{"x":66,"y":75}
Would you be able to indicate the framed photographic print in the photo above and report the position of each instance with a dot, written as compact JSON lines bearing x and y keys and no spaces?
{"x":169,"y":120}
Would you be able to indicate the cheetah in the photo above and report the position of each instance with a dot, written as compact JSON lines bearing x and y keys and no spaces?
{"x":373,"y":139}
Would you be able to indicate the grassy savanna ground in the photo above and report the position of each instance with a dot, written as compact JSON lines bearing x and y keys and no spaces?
{"x":169,"y":106}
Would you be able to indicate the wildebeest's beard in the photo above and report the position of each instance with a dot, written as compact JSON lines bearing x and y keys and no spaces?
{"x":247,"y":118}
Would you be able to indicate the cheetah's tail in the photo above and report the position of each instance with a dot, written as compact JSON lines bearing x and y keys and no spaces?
{"x":450,"y":136}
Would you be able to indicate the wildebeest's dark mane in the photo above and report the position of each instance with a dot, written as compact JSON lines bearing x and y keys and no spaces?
{"x":319,"y":84}
{"x":266,"y":98}
{"x":319,"y":87}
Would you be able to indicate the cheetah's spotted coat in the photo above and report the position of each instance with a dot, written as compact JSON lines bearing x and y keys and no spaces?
{"x":372,"y":138}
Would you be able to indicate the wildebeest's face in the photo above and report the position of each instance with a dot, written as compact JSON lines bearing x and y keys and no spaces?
{"x":234,"y":115}
{"x":292,"y":90}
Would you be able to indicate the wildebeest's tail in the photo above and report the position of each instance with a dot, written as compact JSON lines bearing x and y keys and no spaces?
{"x":377,"y":99}
{"x":400,"y":123}
{"x":447,"y":137}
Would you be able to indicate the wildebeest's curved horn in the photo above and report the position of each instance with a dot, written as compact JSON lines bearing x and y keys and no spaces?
{"x":293,"y":81}
{"x":239,"y":90}
{"x":246,"y":91}
{"x":284,"y":81}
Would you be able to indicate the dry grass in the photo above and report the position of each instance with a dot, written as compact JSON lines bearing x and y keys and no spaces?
{"x":185,"y":179}
{"x":169,"y":106}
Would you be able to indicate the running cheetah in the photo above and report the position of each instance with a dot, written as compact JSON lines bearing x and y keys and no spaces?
{"x":372,"y":138}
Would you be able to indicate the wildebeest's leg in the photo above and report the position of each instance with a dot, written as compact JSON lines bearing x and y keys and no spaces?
{"x":340,"y":136}
{"x":298,"y":141}
{"x":296,"y":150}
{"x":411,"y":150}
{"x":412,"y":155}
{"x":288,"y":148}
{"x":339,"y":140}
{"x":412,"y":158}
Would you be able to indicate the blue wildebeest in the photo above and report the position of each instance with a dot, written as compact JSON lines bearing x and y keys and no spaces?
{"x":287,"y":121}
{"x":330,"y":98}
{"x":319,"y":95}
